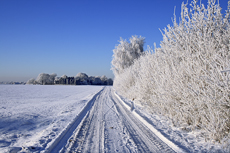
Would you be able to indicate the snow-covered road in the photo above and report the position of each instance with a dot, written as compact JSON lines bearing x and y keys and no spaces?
{"x":105,"y":125}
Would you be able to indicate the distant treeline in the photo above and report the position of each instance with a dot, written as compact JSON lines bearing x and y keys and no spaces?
{"x":79,"y":79}
{"x":12,"y":82}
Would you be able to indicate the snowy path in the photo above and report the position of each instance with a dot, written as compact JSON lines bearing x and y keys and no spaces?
{"x":105,"y":125}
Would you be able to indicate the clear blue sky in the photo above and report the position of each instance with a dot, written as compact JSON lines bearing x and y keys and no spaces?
{"x":72,"y":36}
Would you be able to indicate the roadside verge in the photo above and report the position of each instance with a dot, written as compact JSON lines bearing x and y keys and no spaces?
{"x":150,"y":126}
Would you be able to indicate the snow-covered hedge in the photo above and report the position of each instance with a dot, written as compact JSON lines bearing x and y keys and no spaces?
{"x":187,"y":78}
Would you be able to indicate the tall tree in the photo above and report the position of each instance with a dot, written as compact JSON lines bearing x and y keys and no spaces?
{"x":125,"y":53}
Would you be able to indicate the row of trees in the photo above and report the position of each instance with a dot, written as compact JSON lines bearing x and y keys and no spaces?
{"x":43,"y":78}
{"x":79,"y":79}
{"x":187,"y":78}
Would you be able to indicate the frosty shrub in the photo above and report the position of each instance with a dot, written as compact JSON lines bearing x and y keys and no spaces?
{"x":125,"y":53}
{"x":187,"y":78}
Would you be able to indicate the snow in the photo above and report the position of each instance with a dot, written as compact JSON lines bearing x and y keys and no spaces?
{"x":151,"y":127}
{"x":180,"y":140}
{"x":107,"y":126}
{"x":31,"y":116}
{"x":186,"y":79}
{"x":53,"y":118}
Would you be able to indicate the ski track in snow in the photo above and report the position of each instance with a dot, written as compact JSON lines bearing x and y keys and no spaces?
{"x":106,"y":125}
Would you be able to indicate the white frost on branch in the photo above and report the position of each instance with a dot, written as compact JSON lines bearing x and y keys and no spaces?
{"x":186,"y":78}
{"x":125,"y":53}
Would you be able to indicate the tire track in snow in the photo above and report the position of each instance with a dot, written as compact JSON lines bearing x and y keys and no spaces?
{"x":107,"y":126}
{"x":65,"y":136}
{"x":147,"y":124}
{"x":145,"y":140}
{"x":90,"y":136}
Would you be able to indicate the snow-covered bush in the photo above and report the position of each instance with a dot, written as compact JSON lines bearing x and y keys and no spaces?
{"x":125,"y":53}
{"x":187,"y":79}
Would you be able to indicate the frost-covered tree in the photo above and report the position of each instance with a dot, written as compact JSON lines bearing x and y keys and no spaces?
{"x":64,"y":76}
{"x":125,"y":53}
{"x":104,"y":80}
{"x":44,"y":78}
{"x":82,"y":78}
{"x":91,"y":80}
{"x":197,"y":54}
{"x":187,"y":79}
{"x":31,"y":81}
{"x":95,"y":80}
{"x":110,"y":81}
{"x":52,"y":77}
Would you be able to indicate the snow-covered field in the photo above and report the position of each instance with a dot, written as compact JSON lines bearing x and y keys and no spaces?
{"x":34,"y":115}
